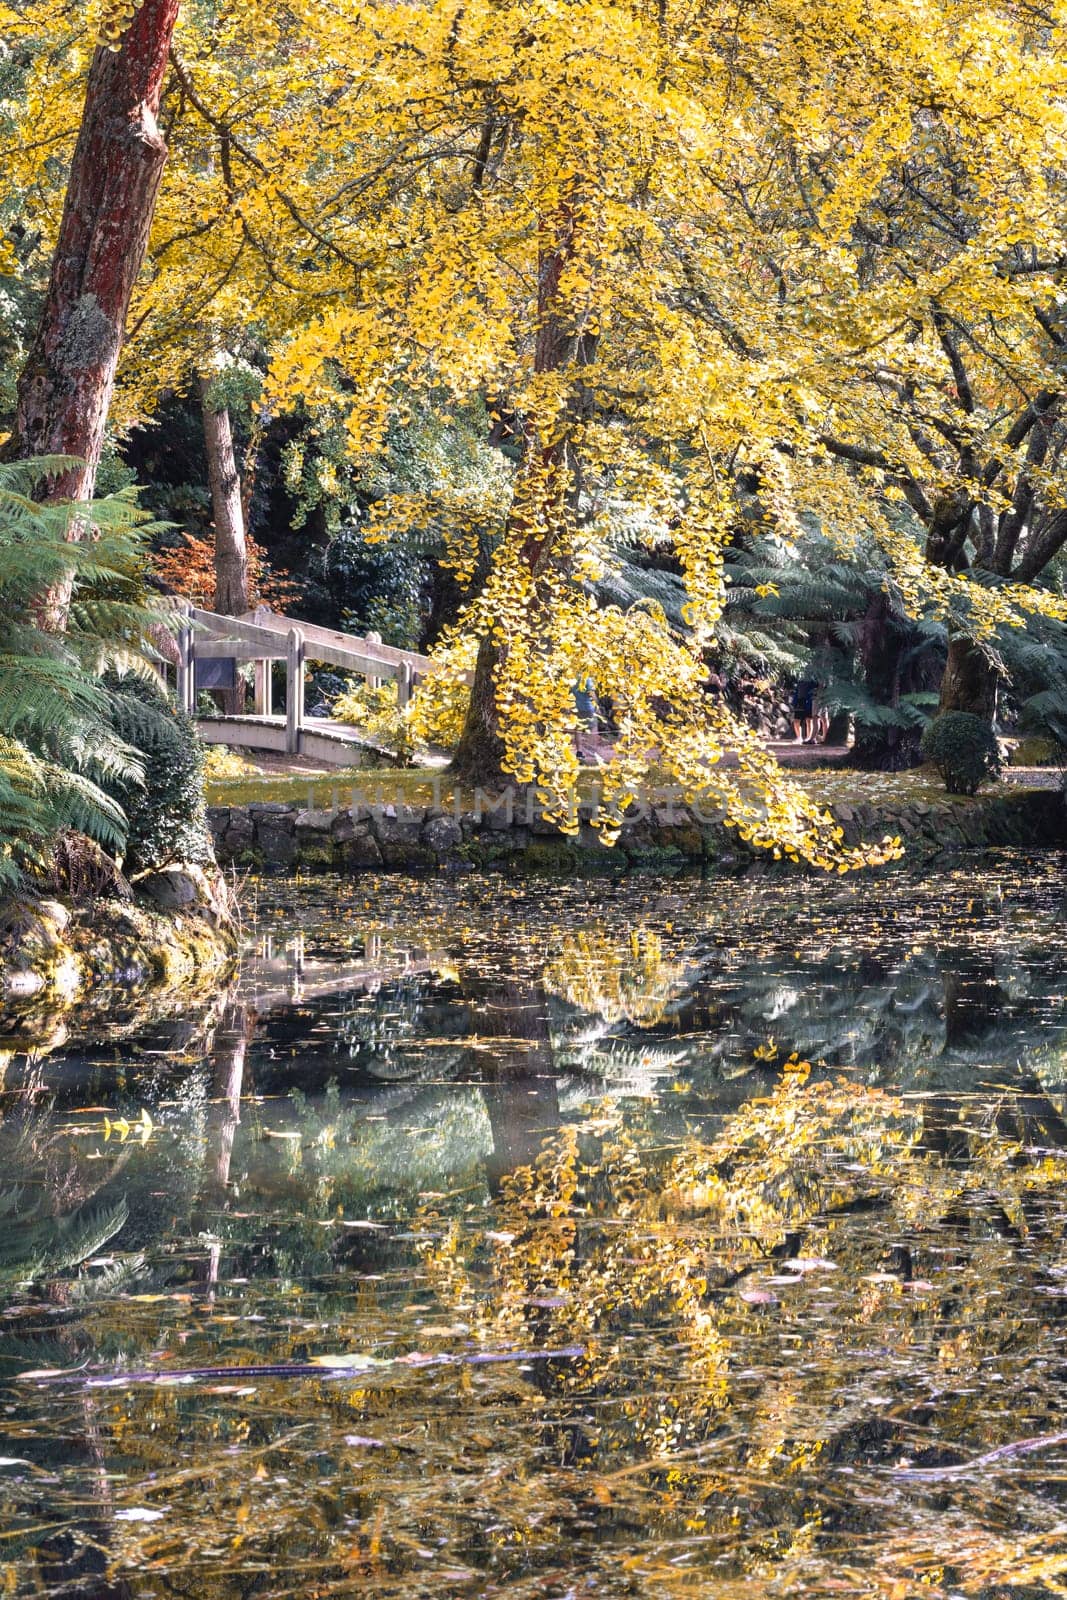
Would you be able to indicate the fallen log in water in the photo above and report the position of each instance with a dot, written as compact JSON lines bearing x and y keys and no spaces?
{"x":339,"y":1366}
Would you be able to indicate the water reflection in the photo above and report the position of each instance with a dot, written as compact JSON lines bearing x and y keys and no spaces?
{"x":788,"y":1164}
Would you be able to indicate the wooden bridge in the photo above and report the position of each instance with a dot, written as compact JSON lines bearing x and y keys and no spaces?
{"x":263,"y":637}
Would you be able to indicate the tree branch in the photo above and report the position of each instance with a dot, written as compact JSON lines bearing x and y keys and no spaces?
{"x":898,"y":476}
{"x":955,"y":361}
{"x":1043,"y":546}
{"x":224,"y":131}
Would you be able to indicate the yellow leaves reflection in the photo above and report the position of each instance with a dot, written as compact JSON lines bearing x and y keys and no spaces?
{"x":766,"y":1393}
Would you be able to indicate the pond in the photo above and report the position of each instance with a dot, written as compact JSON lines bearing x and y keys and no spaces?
{"x":687,"y":1239}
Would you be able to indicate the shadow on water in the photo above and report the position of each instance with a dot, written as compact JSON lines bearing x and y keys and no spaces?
{"x":786,"y":1166}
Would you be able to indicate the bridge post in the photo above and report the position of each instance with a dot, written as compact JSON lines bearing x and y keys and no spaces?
{"x":294,"y":691}
{"x":264,"y":698}
{"x":404,"y":678}
{"x":374,"y":638}
{"x":185,"y":685}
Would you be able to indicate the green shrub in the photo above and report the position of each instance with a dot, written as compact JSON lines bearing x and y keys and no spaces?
{"x":165,"y":816}
{"x":964,"y":750}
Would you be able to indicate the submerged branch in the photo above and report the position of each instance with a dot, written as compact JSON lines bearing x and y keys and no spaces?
{"x":1003,"y":1452}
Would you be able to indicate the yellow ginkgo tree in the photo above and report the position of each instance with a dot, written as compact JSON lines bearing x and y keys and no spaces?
{"x":812,"y":249}
{"x":645,"y":231}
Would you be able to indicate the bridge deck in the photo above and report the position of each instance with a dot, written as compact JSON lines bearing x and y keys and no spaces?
{"x":333,"y":744}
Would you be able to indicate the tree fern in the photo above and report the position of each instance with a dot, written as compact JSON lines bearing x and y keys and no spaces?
{"x":1034,"y":661}
{"x":816,"y":614}
{"x":58,"y":749}
{"x":627,"y":583}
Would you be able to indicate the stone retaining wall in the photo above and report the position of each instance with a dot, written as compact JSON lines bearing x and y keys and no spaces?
{"x":665,"y":838}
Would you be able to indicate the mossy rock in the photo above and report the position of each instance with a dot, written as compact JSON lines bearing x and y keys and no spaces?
{"x":104,"y":952}
{"x":603,"y":861}
{"x":317,"y":855}
{"x":715,"y":841}
{"x":552,"y":857}
{"x":685,"y":838}
{"x":489,"y":851}
{"x":657,"y":861}
{"x":689,"y":839}
{"x":407,"y":856}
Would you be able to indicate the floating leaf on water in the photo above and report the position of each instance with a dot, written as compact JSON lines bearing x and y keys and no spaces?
{"x":352,"y":1361}
{"x":48,"y":1372}
{"x":760,"y":1297}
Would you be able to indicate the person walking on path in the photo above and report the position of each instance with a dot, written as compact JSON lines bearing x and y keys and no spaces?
{"x":803,"y":701}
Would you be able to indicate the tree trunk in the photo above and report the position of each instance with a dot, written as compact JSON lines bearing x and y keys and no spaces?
{"x":65,"y":387}
{"x":480,"y":749}
{"x":480,"y":753}
{"x":231,"y":551}
{"x":970,"y":681}
{"x":883,"y":748}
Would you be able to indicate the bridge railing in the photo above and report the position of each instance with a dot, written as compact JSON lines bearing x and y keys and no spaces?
{"x":263,"y":636}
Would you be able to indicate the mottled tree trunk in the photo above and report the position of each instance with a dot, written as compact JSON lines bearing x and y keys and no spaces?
{"x":236,"y":1028}
{"x":970,"y":681}
{"x":65,"y":387}
{"x":231,"y":551}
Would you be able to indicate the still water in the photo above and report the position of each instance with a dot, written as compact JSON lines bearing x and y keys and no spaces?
{"x":639,"y":1240}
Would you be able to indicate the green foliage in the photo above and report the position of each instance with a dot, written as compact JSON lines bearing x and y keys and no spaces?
{"x":165,"y":815}
{"x":629,"y":581}
{"x":809,"y":611}
{"x":236,"y":384}
{"x":113,"y":476}
{"x":383,"y":528}
{"x":380,"y":585}
{"x":1034,"y":751}
{"x":1034,"y":662}
{"x":964,"y":750}
{"x":61,"y":758}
